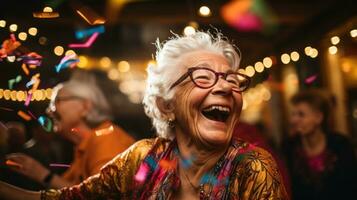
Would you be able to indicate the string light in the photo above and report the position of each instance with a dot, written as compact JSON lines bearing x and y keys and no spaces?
{"x":353,"y":33}
{"x":314,"y":53}
{"x":13,"y":27}
{"x":58,"y":50}
{"x":105,"y":62}
{"x":335,"y":40}
{"x":308,"y":50}
{"x":189,"y":30}
{"x":47,"y":9}
{"x":268,"y":62}
{"x":22,"y":36}
{"x":285,"y":58}
{"x":20,"y":95}
{"x":2,"y":23}
{"x":332,"y":50}
{"x":123,"y":66}
{"x":204,"y":11}
{"x":32,"y":31}
{"x":259,"y":67}
{"x":250,"y":71}
{"x":294,"y":56}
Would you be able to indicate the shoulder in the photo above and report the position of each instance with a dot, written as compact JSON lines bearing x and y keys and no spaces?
{"x":138,"y":151}
{"x":257,"y":160}
{"x":258,"y":173}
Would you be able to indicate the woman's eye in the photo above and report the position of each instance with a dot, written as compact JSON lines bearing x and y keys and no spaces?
{"x":202,"y":77}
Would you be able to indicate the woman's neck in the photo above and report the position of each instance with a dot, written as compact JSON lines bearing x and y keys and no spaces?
{"x":314,"y":143}
{"x":196,"y":160}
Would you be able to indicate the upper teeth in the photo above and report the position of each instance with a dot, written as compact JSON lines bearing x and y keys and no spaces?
{"x":220,"y":108}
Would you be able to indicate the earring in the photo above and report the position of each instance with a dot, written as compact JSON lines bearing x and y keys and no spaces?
{"x":171,"y":123}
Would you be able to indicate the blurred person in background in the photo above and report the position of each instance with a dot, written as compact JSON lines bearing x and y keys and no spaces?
{"x":82,"y":115}
{"x":321,"y":162}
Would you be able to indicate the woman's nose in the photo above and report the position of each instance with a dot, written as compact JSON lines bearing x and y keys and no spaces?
{"x":222,"y":87}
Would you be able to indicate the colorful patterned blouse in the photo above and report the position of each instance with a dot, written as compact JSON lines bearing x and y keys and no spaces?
{"x":148,"y":170}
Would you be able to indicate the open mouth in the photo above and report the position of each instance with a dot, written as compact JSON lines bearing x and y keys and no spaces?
{"x":217,"y":113}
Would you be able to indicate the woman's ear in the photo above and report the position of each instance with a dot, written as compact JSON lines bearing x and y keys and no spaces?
{"x":166,"y":108}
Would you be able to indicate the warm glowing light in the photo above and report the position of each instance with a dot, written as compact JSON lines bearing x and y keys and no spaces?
{"x":268,"y":62}
{"x":11,"y":58}
{"x":83,"y":62}
{"x":346,"y":67}
{"x":33,"y":31}
{"x":20,"y":95}
{"x":332,"y":50}
{"x":314,"y":53}
{"x":189,"y":30}
{"x":335,"y":40}
{"x":353,"y":33}
{"x":13,"y":95}
{"x":70,"y":52}
{"x":105,"y":62}
{"x":294,"y":56}
{"x":1,"y":93}
{"x":249,"y":70}
{"x":58,"y":50}
{"x":204,"y":11}
{"x":48,"y":93}
{"x":308,"y":50}
{"x":242,"y":71}
{"x":259,"y":67}
{"x":38,"y":95}
{"x":113,"y":74}
{"x":47,"y":9}
{"x":13,"y":27}
{"x":7,"y":94}
{"x":2,"y":23}
{"x":123,"y":66}
{"x":22,"y":36}
{"x":285,"y":58}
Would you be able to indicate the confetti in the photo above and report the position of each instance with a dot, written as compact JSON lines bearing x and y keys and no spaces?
{"x":15,"y":80}
{"x":90,"y":16}
{"x":24,"y":115}
{"x":59,"y":165}
{"x":80,"y":34}
{"x":46,"y":123}
{"x":9,"y":46}
{"x":310,"y":79}
{"x":142,"y":173}
{"x":32,"y":115}
{"x":24,"y":68}
{"x":13,"y":164}
{"x":87,"y":44}
{"x":28,"y":99}
{"x":67,"y":61}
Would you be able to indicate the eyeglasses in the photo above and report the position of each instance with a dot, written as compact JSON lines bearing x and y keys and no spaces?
{"x":59,"y":99}
{"x":205,"y":78}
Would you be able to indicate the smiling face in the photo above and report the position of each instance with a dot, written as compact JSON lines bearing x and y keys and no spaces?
{"x":69,"y":111}
{"x":207,"y":116}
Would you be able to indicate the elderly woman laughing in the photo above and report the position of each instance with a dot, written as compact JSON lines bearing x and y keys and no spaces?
{"x":194,"y":98}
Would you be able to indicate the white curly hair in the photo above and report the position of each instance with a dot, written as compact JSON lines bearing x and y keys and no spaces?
{"x":160,"y":75}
